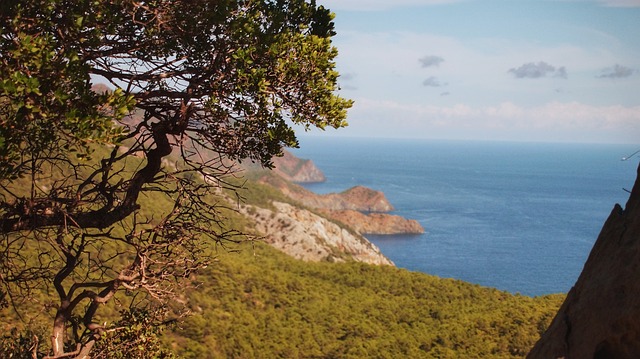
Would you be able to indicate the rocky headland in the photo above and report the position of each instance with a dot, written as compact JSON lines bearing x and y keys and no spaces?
{"x":326,"y":227}
{"x":374,"y":223}
{"x":361,"y":208}
{"x":297,"y":170}
{"x":358,"y":198}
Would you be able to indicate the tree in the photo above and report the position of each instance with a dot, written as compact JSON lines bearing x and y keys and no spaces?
{"x":195,"y":86}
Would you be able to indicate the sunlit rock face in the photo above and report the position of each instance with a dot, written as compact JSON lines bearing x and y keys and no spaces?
{"x":375,"y":223}
{"x":357,"y":198}
{"x":323,"y":227}
{"x":297,"y":170}
{"x":307,"y":236}
{"x":600,"y":317}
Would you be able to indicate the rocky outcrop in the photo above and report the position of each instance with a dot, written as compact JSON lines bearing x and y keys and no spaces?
{"x":358,"y":198}
{"x":375,"y":223}
{"x":359,"y":207}
{"x":600,"y":317}
{"x":298,"y":170}
{"x":323,"y":235}
{"x":307,"y":236}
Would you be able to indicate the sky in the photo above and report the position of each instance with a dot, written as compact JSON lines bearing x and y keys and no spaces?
{"x":514,"y":70}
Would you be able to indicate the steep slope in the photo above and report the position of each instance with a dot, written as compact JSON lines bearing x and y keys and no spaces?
{"x":301,"y":233}
{"x":259,"y":303}
{"x":600,"y":317}
{"x":298,"y":170}
{"x":310,"y":237}
{"x":256,"y":302}
{"x":374,"y":223}
{"x":359,"y":208}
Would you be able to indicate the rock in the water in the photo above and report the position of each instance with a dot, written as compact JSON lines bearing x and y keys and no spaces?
{"x":600,"y":317}
{"x":365,"y":199}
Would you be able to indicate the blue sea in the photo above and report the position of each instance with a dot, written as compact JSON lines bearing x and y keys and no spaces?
{"x":520,"y":217}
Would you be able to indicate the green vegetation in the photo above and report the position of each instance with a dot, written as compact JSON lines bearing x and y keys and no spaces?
{"x":112,"y":203}
{"x":256,"y":302}
{"x":260,"y":194}
{"x":260,"y":303}
{"x":191,"y":88}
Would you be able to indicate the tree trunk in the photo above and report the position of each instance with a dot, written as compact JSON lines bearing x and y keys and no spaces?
{"x":57,"y":335}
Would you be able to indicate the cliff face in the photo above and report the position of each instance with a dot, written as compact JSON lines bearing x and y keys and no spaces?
{"x":294,"y":169}
{"x":600,"y":317}
{"x":375,"y":223}
{"x":323,"y":235}
{"x":359,"y":208}
{"x":307,"y":236}
{"x":357,"y":198}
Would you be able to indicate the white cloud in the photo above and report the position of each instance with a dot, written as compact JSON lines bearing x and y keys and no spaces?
{"x":556,"y":121}
{"x":380,"y":5}
{"x":475,"y":70}
{"x":610,"y":3}
{"x":387,"y":67}
{"x":401,"y":78}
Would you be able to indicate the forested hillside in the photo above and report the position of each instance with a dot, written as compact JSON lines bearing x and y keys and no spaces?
{"x":260,"y":303}
{"x":257,"y":302}
{"x":121,"y":206}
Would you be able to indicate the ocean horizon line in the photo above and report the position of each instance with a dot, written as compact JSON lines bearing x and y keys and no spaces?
{"x":337,"y":135}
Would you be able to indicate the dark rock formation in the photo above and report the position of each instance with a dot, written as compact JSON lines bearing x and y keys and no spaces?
{"x":600,"y":317}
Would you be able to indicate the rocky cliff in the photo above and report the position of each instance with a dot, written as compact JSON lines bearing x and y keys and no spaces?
{"x":308,"y":236}
{"x":298,"y":170}
{"x":359,"y":208}
{"x":357,"y":198}
{"x":600,"y":317}
{"x":322,"y":227}
{"x":375,"y":223}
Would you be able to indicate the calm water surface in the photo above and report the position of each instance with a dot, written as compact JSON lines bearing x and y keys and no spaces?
{"x":521,"y":217}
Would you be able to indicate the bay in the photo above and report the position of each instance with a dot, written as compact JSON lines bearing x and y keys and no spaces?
{"x":520,"y":217}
